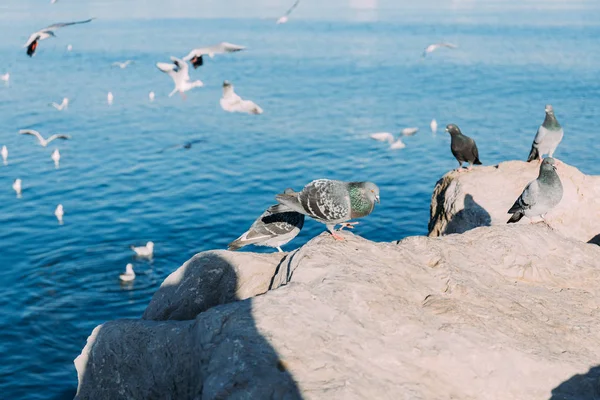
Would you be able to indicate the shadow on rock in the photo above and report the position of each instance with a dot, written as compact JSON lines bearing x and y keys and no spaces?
{"x":216,"y":354}
{"x":579,"y":387}
{"x":595,"y":240}
{"x":470,"y":217}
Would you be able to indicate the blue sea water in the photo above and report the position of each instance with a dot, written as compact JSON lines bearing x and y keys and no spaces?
{"x":328,"y":78}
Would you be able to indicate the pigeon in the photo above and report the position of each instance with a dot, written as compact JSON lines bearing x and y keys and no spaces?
{"x":110,"y":98}
{"x":5,"y":78}
{"x":4,"y":153}
{"x":233,"y":103}
{"x":129,"y":274}
{"x":61,"y":106}
{"x":59,"y":212}
{"x":409,"y":131}
{"x":388,"y":137}
{"x":195,"y":56}
{"x":333,"y":202}
{"x":17,"y":187}
{"x":42,"y":34}
{"x":463,"y":148}
{"x":55,"y":157}
{"x":151,"y":96}
{"x":144,"y":251}
{"x":435,"y":46}
{"x":547,"y":138}
{"x":43,"y":142}
{"x":179,"y":72}
{"x":540,"y":195}
{"x":274,"y":228}
{"x":433,"y":125}
{"x":285,"y":17}
{"x":123,"y":64}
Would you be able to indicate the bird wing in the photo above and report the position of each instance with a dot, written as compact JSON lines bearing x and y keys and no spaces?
{"x":34,"y":36}
{"x":288,"y":12}
{"x":539,"y":136}
{"x":32,"y":132}
{"x":63,"y":24}
{"x":167,"y":68}
{"x":383,"y":137}
{"x":182,"y":67}
{"x":448,"y":45}
{"x":527,"y":198}
{"x":58,"y":136}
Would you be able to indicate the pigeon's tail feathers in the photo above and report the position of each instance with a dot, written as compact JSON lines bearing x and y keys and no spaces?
{"x":516,"y":217}
{"x":238,"y":243}
{"x":477,"y":162}
{"x":534,"y":154}
{"x":249,"y":237}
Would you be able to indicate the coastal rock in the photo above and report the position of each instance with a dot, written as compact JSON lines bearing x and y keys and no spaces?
{"x":504,"y":312}
{"x":482,"y":197}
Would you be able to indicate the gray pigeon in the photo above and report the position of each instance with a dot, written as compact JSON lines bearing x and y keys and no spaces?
{"x":274,"y":228}
{"x":333,"y":202}
{"x":463,"y":147}
{"x":547,"y":138}
{"x":540,"y":195}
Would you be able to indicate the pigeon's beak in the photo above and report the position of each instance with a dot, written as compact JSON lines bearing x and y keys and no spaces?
{"x":377,"y":199}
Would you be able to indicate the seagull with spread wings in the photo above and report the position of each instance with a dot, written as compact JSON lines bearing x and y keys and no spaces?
{"x":285,"y":17}
{"x":42,"y":34}
{"x":433,"y":47}
{"x":43,"y":142}
{"x":179,"y":72}
{"x":195,"y":56}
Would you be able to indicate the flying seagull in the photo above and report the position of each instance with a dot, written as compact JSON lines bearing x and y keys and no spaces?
{"x":388,"y":137}
{"x":547,"y":138}
{"x":43,"y":142}
{"x":144,"y":251}
{"x":61,"y":106}
{"x":463,"y":148}
{"x":433,"y":47}
{"x":285,"y":17}
{"x":195,"y":56}
{"x":233,"y":103}
{"x":186,"y":145}
{"x":123,"y":64}
{"x":179,"y":72}
{"x":42,"y":34}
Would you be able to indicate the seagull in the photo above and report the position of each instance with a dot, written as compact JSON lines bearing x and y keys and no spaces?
{"x":129,"y":275}
{"x":122,"y":65}
{"x":186,"y":145}
{"x":43,"y":142}
{"x":32,"y":42}
{"x":284,"y":18}
{"x":4,"y":153}
{"x":144,"y":251}
{"x":435,"y":46}
{"x":233,"y":103}
{"x":179,"y":72}
{"x":59,"y":212}
{"x":151,"y":96}
{"x":195,"y":56}
{"x":55,"y":157}
{"x":53,"y":1}
{"x":5,"y":77}
{"x":110,"y":98}
{"x":409,"y":131}
{"x":433,"y":125}
{"x":388,"y":137}
{"x":61,"y":106}
{"x":17,"y":187}
{"x":69,"y":47}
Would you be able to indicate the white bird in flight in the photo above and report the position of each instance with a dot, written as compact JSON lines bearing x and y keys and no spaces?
{"x":59,"y":212}
{"x":4,"y":153}
{"x":110,"y":98}
{"x":42,"y":34}
{"x":151,"y":96}
{"x":17,"y":187}
{"x":56,"y":157}
{"x":123,"y":64}
{"x":409,"y":131}
{"x":285,"y":17}
{"x":61,"y":106}
{"x":5,"y":78}
{"x":233,"y":103}
{"x":179,"y":72}
{"x":435,"y":46}
{"x":144,"y":251}
{"x":433,"y":125}
{"x":43,"y":142}
{"x":388,"y":137}
{"x":129,"y":274}
{"x":195,"y":56}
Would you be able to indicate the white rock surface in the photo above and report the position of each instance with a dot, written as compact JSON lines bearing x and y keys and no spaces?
{"x":505,"y":312}
{"x":482,"y":197}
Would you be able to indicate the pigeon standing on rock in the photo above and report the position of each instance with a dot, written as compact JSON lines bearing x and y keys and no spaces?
{"x":540,"y":195}
{"x":333,"y":202}
{"x":274,"y":228}
{"x":547,"y":138}
{"x":463,"y":147}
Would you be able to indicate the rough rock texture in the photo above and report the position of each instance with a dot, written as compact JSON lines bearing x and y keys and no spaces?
{"x":482,"y":197}
{"x":506,"y":312}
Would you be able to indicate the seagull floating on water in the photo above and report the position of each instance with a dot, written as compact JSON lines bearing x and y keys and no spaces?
{"x":59,"y":212}
{"x":110,"y":98}
{"x":388,"y":137}
{"x":285,"y":17}
{"x":195,"y":56}
{"x":233,"y":103}
{"x":144,"y":251}
{"x":435,"y":46}
{"x":55,"y":157}
{"x":69,"y":47}
{"x":43,"y":142}
{"x":42,"y":34}
{"x":17,"y":187}
{"x":179,"y":72}
{"x":123,"y":64}
{"x":61,"y":106}
{"x":151,"y":96}
{"x":4,"y":153}
{"x":409,"y":131}
{"x":129,"y":274}
{"x":5,"y":78}
{"x":433,"y":125}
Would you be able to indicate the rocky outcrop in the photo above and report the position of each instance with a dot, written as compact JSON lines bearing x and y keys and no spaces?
{"x":505,"y":312}
{"x":482,"y":197}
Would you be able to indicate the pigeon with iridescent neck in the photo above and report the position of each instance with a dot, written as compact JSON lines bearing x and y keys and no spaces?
{"x":333,"y":202}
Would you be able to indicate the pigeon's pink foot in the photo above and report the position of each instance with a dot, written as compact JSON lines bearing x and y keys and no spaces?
{"x":337,"y":236}
{"x":349,"y":225}
{"x":460,"y":169}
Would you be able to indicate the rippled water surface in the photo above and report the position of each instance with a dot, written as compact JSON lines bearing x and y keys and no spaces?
{"x":325,"y":80}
